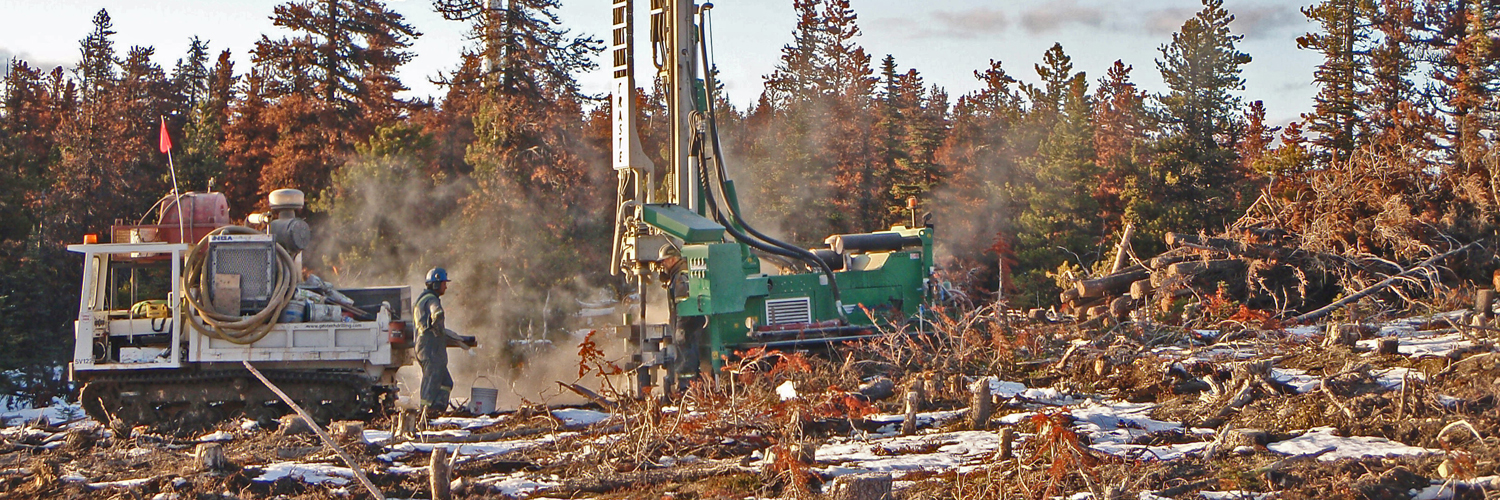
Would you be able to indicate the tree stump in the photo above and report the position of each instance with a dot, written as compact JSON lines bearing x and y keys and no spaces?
{"x":913,"y":401}
{"x":79,"y":439}
{"x":804,"y":453}
{"x":1484,"y":304}
{"x":981,"y":404}
{"x":292,"y":424}
{"x":348,"y":431}
{"x":406,"y":424}
{"x":1389,"y":346}
{"x":1341,"y":334}
{"x":871,"y":486}
{"x":1007,"y":444}
{"x":211,"y":456}
{"x":439,"y":474}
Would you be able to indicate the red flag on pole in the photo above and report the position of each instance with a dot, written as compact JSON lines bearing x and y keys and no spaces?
{"x":166,"y":140}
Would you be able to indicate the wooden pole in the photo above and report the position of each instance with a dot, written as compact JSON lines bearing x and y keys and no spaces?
{"x":359,"y":473}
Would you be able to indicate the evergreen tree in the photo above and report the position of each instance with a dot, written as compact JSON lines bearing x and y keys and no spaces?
{"x":1335,"y":117}
{"x":201,"y":158}
{"x":1194,"y":179}
{"x":96,"y":70}
{"x":1393,"y":106}
{"x":249,"y":137}
{"x":1057,"y":193}
{"x":979,"y":163}
{"x":330,"y":86}
{"x":818,"y":109}
{"x":524,"y":45}
{"x":1201,"y":68}
{"x":911,"y":124}
{"x":1458,"y":39}
{"x":190,"y":77}
{"x":1121,"y":126}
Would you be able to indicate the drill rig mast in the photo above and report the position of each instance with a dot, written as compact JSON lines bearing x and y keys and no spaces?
{"x":694,"y":263}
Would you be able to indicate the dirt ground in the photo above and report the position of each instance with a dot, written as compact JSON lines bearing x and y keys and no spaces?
{"x":1125,"y":410}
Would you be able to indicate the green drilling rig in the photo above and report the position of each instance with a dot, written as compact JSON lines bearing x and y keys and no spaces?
{"x":691,"y":261}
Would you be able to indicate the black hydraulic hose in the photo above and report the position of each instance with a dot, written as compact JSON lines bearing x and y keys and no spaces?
{"x":717,"y":184}
{"x":718,"y":215}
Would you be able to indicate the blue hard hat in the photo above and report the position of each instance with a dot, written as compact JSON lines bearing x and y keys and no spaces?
{"x":437,"y":274}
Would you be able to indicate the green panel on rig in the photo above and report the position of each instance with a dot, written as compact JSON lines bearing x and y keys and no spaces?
{"x":682,"y":223}
{"x":881,"y":289}
{"x":717,"y":279}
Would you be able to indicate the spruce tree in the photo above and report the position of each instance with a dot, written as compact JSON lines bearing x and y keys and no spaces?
{"x":1121,"y":126}
{"x":1194,"y":179}
{"x":1344,"y":34}
{"x":1458,"y":39}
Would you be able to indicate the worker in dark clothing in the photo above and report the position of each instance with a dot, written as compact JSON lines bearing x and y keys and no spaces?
{"x":432,"y":343}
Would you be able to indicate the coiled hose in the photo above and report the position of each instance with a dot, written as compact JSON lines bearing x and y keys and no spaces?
{"x":243,"y":330}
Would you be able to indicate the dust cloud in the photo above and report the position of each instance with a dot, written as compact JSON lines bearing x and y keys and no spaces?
{"x":528,"y":296}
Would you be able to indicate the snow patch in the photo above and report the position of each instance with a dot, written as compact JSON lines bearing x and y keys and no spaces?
{"x":787,"y":390}
{"x":126,"y":483}
{"x":1318,"y":439}
{"x":468,"y":423}
{"x":214,"y":437}
{"x":1297,"y":379}
{"x":1449,"y":489}
{"x":1394,"y":378}
{"x":1415,"y":345}
{"x":576,"y":417}
{"x":939,"y":451}
{"x":307,"y":473}
{"x":55,"y":414}
{"x":517,"y":484}
{"x":481,"y":448}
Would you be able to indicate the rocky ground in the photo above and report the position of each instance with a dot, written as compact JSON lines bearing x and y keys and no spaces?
{"x":1381,"y":407}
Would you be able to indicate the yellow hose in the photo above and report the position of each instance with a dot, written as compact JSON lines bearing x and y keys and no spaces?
{"x":243,"y":330}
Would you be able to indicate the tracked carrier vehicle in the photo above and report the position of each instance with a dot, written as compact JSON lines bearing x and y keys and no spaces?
{"x":169,"y":311}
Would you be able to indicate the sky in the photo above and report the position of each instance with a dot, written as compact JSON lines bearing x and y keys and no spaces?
{"x":945,"y":40}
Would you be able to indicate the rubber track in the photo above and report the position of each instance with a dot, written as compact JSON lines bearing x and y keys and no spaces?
{"x":362,"y":385}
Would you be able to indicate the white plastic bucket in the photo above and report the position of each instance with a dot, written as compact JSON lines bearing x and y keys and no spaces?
{"x":482,"y":400}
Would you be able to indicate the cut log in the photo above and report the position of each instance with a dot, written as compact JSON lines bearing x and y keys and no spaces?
{"x":1141,"y":289}
{"x":1083,"y":305}
{"x":1069,"y":295}
{"x":1097,"y":311}
{"x":1484,"y":303}
{"x":1196,"y":267}
{"x":348,"y":431}
{"x":1171,"y":257}
{"x":1341,"y":334}
{"x":406,"y":423}
{"x":1113,"y":284}
{"x":1120,"y":307}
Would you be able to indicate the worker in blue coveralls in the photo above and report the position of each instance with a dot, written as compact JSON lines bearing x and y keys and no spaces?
{"x":432,"y":343}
